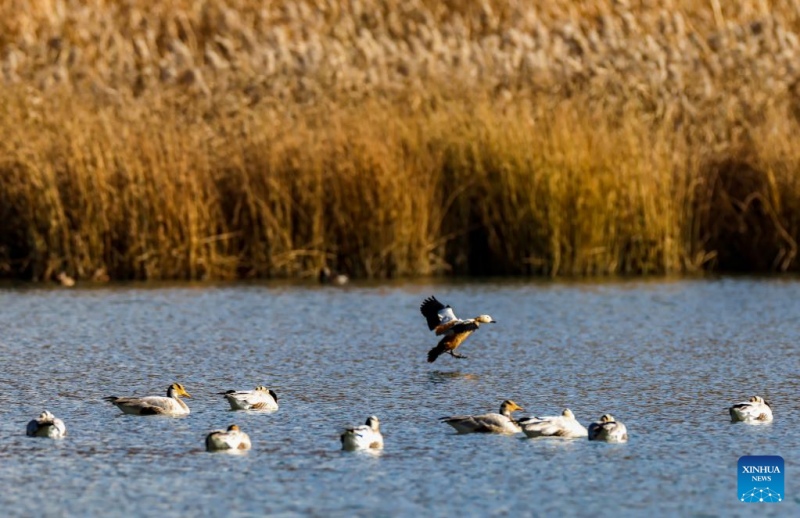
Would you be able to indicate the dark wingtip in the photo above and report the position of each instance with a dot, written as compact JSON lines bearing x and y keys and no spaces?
{"x":430,"y":308}
{"x":429,"y":300}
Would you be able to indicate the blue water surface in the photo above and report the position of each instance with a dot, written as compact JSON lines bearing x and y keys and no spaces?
{"x":665,"y":357}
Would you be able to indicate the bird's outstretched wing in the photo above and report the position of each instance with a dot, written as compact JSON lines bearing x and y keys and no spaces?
{"x":436,"y":313}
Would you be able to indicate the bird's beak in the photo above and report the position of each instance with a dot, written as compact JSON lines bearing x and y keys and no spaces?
{"x":493,"y":321}
{"x":186,"y":394}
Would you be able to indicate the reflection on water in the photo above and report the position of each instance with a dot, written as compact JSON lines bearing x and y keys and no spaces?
{"x":666,"y":358}
{"x":447,"y":376}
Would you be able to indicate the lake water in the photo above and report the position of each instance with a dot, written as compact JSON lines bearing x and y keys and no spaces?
{"x":665,"y":357}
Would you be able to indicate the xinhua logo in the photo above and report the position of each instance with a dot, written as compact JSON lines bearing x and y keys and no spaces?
{"x":760,"y":478}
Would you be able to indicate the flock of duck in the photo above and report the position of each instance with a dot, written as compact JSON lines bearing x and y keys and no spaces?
{"x":442,"y":320}
{"x":259,"y":399}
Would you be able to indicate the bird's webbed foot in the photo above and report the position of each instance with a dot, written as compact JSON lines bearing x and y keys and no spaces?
{"x":456,"y":355}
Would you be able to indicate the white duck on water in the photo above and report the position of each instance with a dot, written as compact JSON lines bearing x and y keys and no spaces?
{"x":328,"y":276}
{"x":154,"y":405}
{"x":443,"y":321}
{"x":367,"y":436}
{"x":608,"y":429}
{"x":487,"y":423}
{"x":754,"y":411}
{"x":261,"y":398}
{"x":46,"y":425}
{"x":564,"y":426}
{"x":232,"y":439}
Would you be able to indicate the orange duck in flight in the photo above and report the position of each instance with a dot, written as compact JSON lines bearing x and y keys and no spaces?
{"x":443,"y":321}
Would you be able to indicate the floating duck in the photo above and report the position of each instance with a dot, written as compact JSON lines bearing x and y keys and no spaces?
{"x":46,"y":425}
{"x":487,"y":423}
{"x":326,"y":276}
{"x":154,"y":405}
{"x":364,"y":437}
{"x":65,"y":280}
{"x":564,"y":426}
{"x":231,"y":439}
{"x":608,"y":429}
{"x":443,"y":321}
{"x":101,"y":275}
{"x":261,"y":398}
{"x":754,"y":411}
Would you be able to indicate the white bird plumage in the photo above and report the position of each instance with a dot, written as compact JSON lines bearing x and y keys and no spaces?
{"x":171,"y":405}
{"x":232,"y":439}
{"x":46,"y":425}
{"x":608,"y":429}
{"x":754,"y":411}
{"x":487,"y":423}
{"x":328,"y":276}
{"x":261,"y":398}
{"x":367,"y":436}
{"x":564,"y":426}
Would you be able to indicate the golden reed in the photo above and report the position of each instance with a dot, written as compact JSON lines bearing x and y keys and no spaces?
{"x":143,"y":139}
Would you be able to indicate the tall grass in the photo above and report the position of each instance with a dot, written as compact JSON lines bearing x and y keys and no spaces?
{"x":233,"y":139}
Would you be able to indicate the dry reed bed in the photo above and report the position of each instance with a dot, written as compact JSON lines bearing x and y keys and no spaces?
{"x":226,"y":139}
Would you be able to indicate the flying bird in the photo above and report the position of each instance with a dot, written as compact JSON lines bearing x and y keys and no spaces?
{"x":443,"y":321}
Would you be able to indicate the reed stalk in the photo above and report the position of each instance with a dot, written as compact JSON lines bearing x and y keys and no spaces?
{"x":235,"y":139}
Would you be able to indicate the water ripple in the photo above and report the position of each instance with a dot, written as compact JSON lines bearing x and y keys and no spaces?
{"x":667,"y":358}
